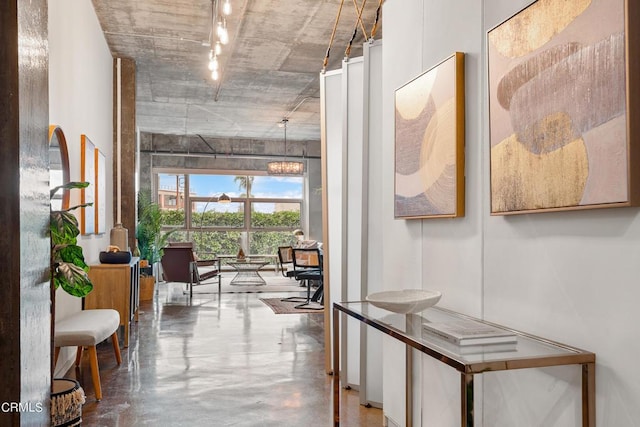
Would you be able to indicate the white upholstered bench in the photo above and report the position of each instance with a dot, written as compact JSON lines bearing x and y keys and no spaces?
{"x":88,"y":328}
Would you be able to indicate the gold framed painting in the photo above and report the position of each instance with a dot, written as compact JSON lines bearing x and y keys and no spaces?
{"x":429,"y":143}
{"x":87,"y":195}
{"x":100,"y":206}
{"x":559,"y":103}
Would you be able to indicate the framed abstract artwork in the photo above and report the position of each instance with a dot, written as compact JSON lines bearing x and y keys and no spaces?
{"x":87,"y":195}
{"x":429,"y":143}
{"x":101,"y":195}
{"x":559,"y":103}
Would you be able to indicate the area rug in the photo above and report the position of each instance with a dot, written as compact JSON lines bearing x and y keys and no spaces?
{"x":289,"y":307}
{"x":274,"y":284}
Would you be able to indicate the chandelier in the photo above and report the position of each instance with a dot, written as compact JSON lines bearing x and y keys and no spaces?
{"x":285,"y":167}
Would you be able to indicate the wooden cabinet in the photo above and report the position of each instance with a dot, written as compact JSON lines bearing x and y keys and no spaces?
{"x":116,"y":286}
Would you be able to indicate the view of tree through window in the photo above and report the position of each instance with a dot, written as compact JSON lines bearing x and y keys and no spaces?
{"x":263,"y":212}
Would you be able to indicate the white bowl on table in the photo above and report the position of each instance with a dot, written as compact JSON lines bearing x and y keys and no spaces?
{"x":405,"y":300}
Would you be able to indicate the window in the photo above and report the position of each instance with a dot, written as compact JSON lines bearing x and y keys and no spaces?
{"x":171,"y":196}
{"x":261,"y":216}
{"x":208,"y":214}
{"x":275,"y":215}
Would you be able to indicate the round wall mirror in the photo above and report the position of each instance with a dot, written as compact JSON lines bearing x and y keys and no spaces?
{"x":58,"y":167}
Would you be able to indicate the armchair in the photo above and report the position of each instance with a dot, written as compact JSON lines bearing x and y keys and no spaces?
{"x":179,"y":264}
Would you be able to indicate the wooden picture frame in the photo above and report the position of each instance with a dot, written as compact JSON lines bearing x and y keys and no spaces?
{"x":87,"y":195}
{"x":101,"y":195}
{"x":429,"y":143}
{"x":561,"y":94}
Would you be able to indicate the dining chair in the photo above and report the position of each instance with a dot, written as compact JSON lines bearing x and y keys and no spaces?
{"x":307,"y":265}
{"x":285,"y":260}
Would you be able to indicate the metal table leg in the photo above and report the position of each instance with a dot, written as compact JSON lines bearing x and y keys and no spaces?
{"x":466,"y":400}
{"x":589,"y":395}
{"x":408,"y":386}
{"x":336,"y":367}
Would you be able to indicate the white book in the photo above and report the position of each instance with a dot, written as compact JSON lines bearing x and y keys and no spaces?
{"x":469,"y":332}
{"x":478,"y":348}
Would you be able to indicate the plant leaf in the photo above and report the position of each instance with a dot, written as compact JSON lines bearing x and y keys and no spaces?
{"x":68,"y":186}
{"x":73,"y":254}
{"x":73,"y":279}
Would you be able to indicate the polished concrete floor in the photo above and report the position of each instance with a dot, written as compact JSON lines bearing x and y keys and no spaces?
{"x":218,"y":362}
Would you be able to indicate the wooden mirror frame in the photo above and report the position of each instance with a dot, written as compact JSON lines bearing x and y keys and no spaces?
{"x":56,"y":131}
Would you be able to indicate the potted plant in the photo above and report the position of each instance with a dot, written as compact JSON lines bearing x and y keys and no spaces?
{"x":69,"y":271}
{"x":151,"y":241}
{"x":68,"y":268}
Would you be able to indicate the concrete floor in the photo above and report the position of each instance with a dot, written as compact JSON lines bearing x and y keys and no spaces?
{"x":218,"y":362}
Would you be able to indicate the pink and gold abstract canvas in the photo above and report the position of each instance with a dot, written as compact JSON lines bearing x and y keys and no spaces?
{"x":557,"y":107}
{"x":429,"y":143}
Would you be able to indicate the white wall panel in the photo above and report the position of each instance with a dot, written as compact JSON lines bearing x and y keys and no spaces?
{"x":332,"y":103}
{"x":352,"y":73}
{"x":401,"y":240}
{"x":373,"y":212}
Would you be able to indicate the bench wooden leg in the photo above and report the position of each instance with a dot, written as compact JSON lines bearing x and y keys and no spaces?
{"x":95,"y":371}
{"x":79,"y":355}
{"x":116,"y":347}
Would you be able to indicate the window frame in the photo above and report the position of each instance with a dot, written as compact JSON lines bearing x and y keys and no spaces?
{"x":247,"y":201}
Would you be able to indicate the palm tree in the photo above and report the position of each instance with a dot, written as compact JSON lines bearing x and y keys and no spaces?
{"x":244,"y":183}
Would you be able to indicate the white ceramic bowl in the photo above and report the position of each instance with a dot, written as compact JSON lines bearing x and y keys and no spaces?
{"x":405,"y":300}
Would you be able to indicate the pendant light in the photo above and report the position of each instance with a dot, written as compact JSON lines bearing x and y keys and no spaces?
{"x":285,"y":167}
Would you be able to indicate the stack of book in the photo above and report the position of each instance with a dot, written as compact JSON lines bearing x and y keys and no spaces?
{"x":469,"y":336}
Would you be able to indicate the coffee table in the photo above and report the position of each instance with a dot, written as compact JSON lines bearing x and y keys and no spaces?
{"x":247,"y":272}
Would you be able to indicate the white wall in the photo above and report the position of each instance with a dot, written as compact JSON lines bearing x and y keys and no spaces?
{"x":80,"y":102}
{"x":571,"y":276}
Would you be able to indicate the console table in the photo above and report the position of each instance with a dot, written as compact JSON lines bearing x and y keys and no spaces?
{"x":530,"y":352}
{"x":116,"y":286}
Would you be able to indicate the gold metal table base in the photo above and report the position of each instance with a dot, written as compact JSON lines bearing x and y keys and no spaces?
{"x":407,"y":329}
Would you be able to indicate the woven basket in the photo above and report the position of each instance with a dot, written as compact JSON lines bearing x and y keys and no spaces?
{"x":67,"y":398}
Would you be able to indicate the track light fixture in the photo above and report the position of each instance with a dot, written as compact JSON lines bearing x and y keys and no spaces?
{"x":219,"y":34}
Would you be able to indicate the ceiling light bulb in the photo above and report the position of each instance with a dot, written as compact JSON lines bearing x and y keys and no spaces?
{"x":218,"y":48}
{"x":219,"y":29}
{"x":224,"y":34}
{"x":224,"y":37}
{"x":214,"y":63}
{"x":215,"y":75}
{"x":226,"y":7}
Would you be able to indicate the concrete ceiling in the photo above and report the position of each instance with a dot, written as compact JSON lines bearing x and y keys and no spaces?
{"x":269,"y":70}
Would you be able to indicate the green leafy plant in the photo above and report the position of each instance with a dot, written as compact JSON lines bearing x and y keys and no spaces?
{"x":151,"y":239}
{"x":68,"y":268}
